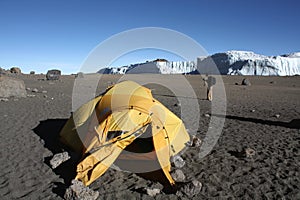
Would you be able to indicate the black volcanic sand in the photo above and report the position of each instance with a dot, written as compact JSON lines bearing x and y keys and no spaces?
{"x":29,"y":127}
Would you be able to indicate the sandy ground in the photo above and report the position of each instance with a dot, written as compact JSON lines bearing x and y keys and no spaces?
{"x":29,"y":127}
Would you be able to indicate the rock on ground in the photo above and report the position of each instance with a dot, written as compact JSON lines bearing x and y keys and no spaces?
{"x":178,"y":175}
{"x":246,"y":82}
{"x":153,"y":192}
{"x":53,"y":74}
{"x":177,"y":161}
{"x":12,"y":87}
{"x":277,"y":115}
{"x":206,"y":115}
{"x":58,"y":159}
{"x":196,"y":142}
{"x":80,"y":192}
{"x":4,"y":99}
{"x":35,"y":90}
{"x":249,"y":152}
{"x":190,"y":189}
{"x":15,"y":70}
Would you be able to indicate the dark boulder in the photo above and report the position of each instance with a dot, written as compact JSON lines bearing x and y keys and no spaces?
{"x":15,"y":70}
{"x":53,"y":74}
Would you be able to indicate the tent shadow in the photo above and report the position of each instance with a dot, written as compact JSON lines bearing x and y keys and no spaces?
{"x":293,"y":124}
{"x":48,"y":130}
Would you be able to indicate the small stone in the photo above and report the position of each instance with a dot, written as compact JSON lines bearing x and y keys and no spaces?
{"x":277,"y":115}
{"x":249,"y":152}
{"x":45,"y":96}
{"x":177,"y":104}
{"x":80,"y":192}
{"x":190,"y":189}
{"x":246,"y":82}
{"x":58,"y":159}
{"x":34,"y":90}
{"x":42,"y":141}
{"x":177,"y":161}
{"x":253,"y":110}
{"x":44,"y":91}
{"x":28,"y":89}
{"x":153,"y":192}
{"x":178,"y":175}
{"x":206,"y":115}
{"x":196,"y":142}
{"x":4,"y":99}
{"x":30,"y":95}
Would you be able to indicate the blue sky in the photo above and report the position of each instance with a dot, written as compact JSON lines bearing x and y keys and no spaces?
{"x":39,"y":35}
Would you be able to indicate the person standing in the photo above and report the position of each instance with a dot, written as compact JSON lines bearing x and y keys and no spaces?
{"x":209,"y":82}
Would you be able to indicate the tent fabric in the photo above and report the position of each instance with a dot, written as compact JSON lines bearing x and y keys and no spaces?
{"x":103,"y":127}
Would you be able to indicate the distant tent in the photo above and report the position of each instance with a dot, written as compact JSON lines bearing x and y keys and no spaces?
{"x":125,"y":117}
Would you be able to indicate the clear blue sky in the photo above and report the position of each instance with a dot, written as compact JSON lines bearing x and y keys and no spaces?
{"x":39,"y":35}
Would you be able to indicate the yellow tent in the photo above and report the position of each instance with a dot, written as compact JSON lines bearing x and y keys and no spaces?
{"x":105,"y":126}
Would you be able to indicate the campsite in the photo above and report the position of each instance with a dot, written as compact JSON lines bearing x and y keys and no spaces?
{"x":144,"y":100}
{"x":267,"y":124}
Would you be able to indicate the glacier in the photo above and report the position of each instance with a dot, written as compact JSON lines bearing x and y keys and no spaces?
{"x":228,"y":63}
{"x":249,"y":63}
{"x":156,"y":67}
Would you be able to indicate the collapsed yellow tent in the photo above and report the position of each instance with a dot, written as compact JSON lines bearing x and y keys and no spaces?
{"x":102,"y":128}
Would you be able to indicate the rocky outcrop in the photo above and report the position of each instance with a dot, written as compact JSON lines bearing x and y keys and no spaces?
{"x":80,"y":192}
{"x":15,"y":70}
{"x":53,"y":74}
{"x":11,"y":87}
